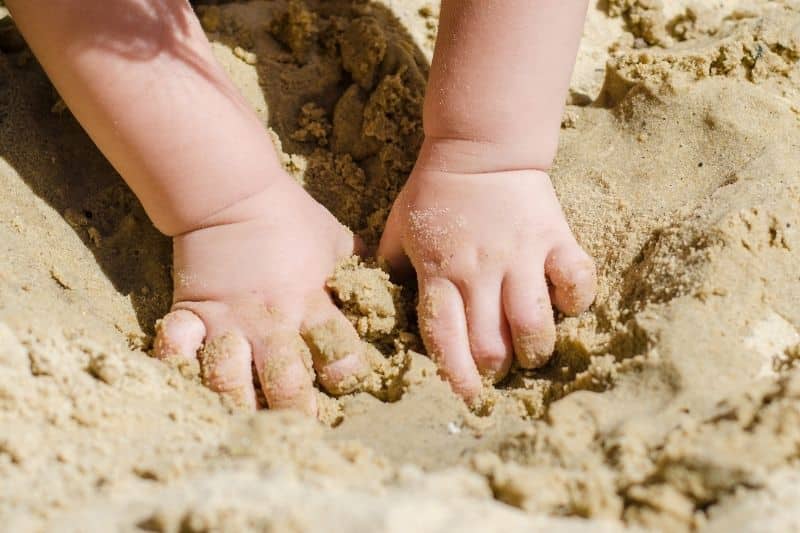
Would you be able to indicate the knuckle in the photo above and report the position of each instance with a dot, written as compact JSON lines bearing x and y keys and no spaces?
{"x":488,"y":256}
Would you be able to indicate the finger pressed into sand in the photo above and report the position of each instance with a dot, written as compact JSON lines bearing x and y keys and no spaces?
{"x":179,"y":335}
{"x":283,"y":364}
{"x":225,"y":366}
{"x":530,"y":317}
{"x":225,"y":360}
{"x":489,"y":338}
{"x":572,"y":273}
{"x":336,"y":350}
{"x":443,"y":326}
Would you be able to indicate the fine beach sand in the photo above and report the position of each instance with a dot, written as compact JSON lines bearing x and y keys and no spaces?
{"x":673,"y":404}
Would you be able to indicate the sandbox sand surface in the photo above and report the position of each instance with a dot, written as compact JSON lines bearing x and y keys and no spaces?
{"x":673,"y":404}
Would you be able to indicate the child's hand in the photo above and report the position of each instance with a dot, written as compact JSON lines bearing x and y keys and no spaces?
{"x":484,"y":244}
{"x":250,"y":288}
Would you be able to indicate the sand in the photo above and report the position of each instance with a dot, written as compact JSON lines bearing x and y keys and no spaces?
{"x":673,"y":404}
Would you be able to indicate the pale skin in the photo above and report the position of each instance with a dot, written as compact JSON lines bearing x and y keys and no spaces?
{"x":480,"y":182}
{"x":478,"y":219}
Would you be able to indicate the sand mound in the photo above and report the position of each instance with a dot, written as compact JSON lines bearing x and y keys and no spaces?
{"x":673,"y":404}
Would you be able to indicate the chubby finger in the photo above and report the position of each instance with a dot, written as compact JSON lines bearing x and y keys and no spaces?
{"x":225,"y":366}
{"x":443,"y":326}
{"x":337,"y":352}
{"x":574,"y":278}
{"x":489,"y":338}
{"x":179,"y":335}
{"x":391,"y":249}
{"x":283,"y":364}
{"x":530,"y":317}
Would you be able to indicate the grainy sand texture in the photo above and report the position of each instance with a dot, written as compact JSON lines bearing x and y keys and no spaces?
{"x":672,"y":405}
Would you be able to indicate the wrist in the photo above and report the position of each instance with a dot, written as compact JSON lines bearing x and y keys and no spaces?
{"x":262,"y":203}
{"x":475,"y":155}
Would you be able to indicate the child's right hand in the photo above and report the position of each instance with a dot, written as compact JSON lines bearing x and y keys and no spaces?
{"x":250,"y":288}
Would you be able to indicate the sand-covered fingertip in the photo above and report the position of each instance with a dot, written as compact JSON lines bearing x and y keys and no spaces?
{"x":284,"y":368}
{"x":338,"y":355}
{"x":574,"y":279}
{"x":534,"y":348}
{"x":443,"y":326}
{"x":225,"y":368}
{"x":179,"y":335}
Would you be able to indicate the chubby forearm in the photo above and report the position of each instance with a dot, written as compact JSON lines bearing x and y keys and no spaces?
{"x":140,"y":77}
{"x":499,"y":77}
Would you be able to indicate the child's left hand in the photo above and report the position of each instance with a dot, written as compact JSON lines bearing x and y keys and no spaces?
{"x":483,"y":245}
